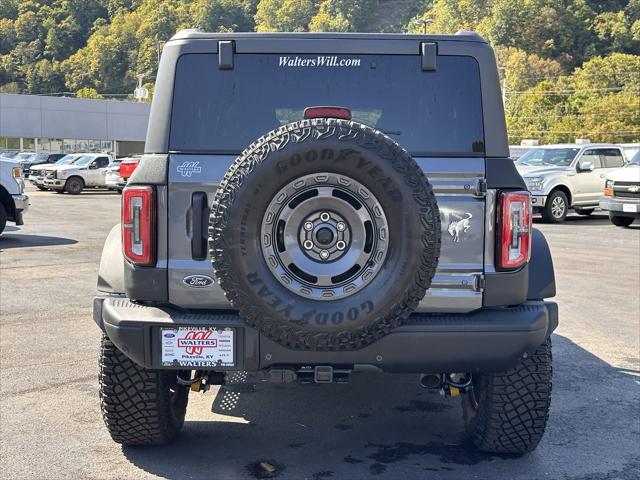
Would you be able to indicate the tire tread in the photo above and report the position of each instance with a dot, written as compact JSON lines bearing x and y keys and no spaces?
{"x":513,"y":407}
{"x":135,"y":401}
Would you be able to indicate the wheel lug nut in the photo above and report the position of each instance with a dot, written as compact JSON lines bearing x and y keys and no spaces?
{"x":324,"y":216}
{"x":340,"y":226}
{"x":308,"y":226}
{"x":308,"y":244}
{"x":324,"y":254}
{"x":340,"y":245}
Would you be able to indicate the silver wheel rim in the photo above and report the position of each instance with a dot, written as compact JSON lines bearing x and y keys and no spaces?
{"x":557,"y":207}
{"x":324,"y":236}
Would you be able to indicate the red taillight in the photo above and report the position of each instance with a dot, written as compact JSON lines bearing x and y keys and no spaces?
{"x":138,"y":225}
{"x":327,"y":112}
{"x":514,"y":243}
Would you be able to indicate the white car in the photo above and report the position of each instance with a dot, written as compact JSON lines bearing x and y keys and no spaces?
{"x":87,"y":171}
{"x":112,"y":178}
{"x":38,"y":172}
{"x":13,"y":202}
{"x":622,"y":194}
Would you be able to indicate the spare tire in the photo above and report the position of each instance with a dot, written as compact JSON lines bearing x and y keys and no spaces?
{"x":325,"y":234}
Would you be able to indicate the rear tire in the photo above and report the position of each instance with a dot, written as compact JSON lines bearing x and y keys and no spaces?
{"x":556,"y":207}
{"x":619,"y":221}
{"x":74,"y":185}
{"x":139,"y":406}
{"x":508,"y":412}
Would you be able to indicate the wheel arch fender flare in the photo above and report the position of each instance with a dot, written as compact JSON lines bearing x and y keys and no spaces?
{"x":563,"y":187}
{"x":78,"y":176}
{"x":542,"y":280}
{"x":111,"y":272}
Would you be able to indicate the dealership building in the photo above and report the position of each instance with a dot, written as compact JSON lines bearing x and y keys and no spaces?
{"x":59,"y":124}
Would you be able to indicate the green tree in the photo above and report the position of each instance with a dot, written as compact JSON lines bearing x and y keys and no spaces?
{"x":44,"y":77}
{"x":614,"y":32}
{"x":522,"y":70}
{"x":9,"y":9}
{"x":284,"y":15}
{"x":7,"y":35}
{"x":224,"y":15}
{"x":87,"y":92}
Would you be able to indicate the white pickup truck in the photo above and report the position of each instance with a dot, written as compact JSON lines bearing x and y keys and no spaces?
{"x":13,"y":202}
{"x":622,"y":194}
{"x":87,"y":171}
{"x":37,"y":174}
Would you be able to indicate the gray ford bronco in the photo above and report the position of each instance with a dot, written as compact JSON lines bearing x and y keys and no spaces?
{"x":314,"y":204}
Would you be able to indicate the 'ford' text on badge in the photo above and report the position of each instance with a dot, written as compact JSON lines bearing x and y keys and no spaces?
{"x":198,"y":281}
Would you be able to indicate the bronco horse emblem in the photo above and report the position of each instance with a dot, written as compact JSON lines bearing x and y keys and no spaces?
{"x":459,"y":226}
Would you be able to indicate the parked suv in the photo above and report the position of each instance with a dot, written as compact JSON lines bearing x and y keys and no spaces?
{"x":622,"y":194}
{"x":564,"y":176}
{"x":312,"y":203}
{"x":86,"y":171}
{"x":13,"y":202}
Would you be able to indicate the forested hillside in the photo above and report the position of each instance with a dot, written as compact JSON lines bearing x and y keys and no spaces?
{"x":570,"y":68}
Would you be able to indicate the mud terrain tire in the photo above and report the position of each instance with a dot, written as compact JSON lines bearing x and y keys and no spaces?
{"x":139,"y":406}
{"x":508,"y":412}
{"x":309,"y":153}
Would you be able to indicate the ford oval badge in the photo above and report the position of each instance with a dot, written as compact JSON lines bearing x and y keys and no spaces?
{"x":198,"y":281}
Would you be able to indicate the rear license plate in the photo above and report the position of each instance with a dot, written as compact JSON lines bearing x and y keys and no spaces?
{"x":629,"y":207}
{"x":197,"y":347}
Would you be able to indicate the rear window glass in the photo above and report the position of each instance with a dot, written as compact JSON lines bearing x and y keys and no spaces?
{"x":426,"y":112}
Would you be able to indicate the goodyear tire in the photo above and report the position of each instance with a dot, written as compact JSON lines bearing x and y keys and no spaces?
{"x":508,"y":412}
{"x":139,"y":406}
{"x":325,"y":235}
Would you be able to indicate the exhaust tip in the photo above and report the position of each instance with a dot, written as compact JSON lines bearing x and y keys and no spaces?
{"x":431,"y":381}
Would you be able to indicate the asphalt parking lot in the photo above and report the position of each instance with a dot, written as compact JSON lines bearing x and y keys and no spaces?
{"x":378,"y":426}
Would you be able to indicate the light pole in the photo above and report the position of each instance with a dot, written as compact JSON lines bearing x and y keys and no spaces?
{"x":424,"y":22}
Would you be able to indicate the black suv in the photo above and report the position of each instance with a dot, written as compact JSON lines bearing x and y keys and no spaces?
{"x":309,"y":204}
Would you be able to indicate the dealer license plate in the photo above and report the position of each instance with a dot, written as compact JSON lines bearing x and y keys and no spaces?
{"x":197,"y":347}
{"x":629,"y":207}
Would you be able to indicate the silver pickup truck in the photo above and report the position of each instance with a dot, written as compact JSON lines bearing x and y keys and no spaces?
{"x":560,"y":177}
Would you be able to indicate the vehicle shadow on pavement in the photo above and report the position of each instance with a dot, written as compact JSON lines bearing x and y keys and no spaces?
{"x":595,"y":219}
{"x":385,"y":426}
{"x":24,"y":240}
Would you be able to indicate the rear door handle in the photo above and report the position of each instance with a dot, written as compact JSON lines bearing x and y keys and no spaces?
{"x":199,"y":225}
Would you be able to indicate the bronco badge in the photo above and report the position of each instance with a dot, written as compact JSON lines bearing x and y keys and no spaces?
{"x":198,"y":281}
{"x":459,"y":226}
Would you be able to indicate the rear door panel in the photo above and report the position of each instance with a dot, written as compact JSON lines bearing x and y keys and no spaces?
{"x":455,"y":287}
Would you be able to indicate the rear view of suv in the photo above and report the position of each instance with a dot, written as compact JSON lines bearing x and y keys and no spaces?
{"x":312,"y":203}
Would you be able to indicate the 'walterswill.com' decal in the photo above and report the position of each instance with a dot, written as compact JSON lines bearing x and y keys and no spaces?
{"x":319,"y":61}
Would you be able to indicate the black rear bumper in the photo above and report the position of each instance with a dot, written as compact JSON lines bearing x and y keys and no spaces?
{"x":487,"y":340}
